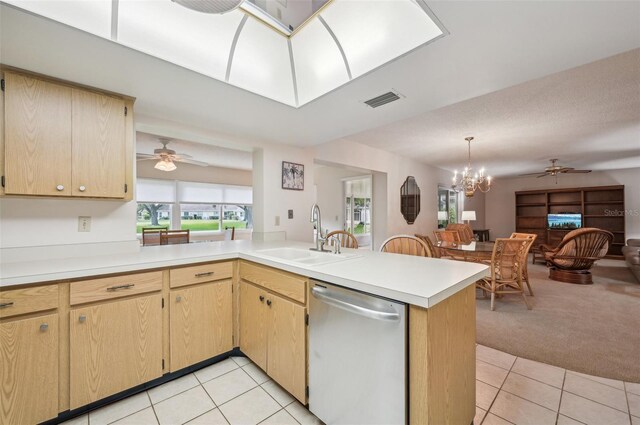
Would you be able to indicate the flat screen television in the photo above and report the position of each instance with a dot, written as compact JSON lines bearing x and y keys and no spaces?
{"x":564,"y":221}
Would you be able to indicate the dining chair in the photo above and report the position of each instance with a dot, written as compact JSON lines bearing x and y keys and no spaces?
{"x":405,"y":244}
{"x":465,"y":232}
{"x":434,"y":251}
{"x":507,"y":263}
{"x":174,"y":237}
{"x":447,"y":236}
{"x":151,"y":235}
{"x":347,"y":240}
{"x":525,"y":270}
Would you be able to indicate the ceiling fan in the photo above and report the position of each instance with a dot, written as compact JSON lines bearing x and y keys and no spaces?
{"x":168,"y":157}
{"x":554,"y":170}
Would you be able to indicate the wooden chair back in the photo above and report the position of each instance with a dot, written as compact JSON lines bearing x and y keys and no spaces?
{"x":433,"y":250}
{"x":151,"y":235}
{"x":509,"y":258}
{"x":173,"y":237}
{"x":347,"y":240}
{"x":581,"y":248}
{"x":405,"y":244}
{"x":447,"y":236}
{"x":464,"y":232}
{"x":230,"y":234}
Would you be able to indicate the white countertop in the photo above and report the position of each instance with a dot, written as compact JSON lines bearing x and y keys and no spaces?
{"x":413,"y":280}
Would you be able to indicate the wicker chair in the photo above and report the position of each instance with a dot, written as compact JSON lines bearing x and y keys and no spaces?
{"x":451,"y":236}
{"x":507,"y":263}
{"x":578,"y":251}
{"x":464,"y":232}
{"x":525,"y":270}
{"x":434,"y":251}
{"x":405,"y":244}
{"x":347,"y":240}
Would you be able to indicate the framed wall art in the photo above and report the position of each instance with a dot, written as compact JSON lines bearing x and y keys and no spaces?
{"x":292,"y":176}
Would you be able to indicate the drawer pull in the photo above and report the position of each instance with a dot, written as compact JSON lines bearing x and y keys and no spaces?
{"x":5,"y":305}
{"x":261,"y":298}
{"x":119,"y":287}
{"x":269,"y":303}
{"x":203,"y":274}
{"x":82,"y":318}
{"x":44,"y":327}
{"x":179,"y":298}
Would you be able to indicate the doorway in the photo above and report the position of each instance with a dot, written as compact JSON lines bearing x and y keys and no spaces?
{"x":447,"y":207}
{"x":358,"y":209}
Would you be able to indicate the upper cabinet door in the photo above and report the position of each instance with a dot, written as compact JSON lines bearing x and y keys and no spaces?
{"x":37,"y":137}
{"x":98,"y":134}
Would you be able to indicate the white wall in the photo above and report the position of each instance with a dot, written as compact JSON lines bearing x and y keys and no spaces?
{"x":500,"y":201}
{"x":194,"y":173}
{"x":476,"y":203}
{"x":330,"y":193}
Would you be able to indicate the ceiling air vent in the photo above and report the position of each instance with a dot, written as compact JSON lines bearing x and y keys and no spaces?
{"x":383,"y":99}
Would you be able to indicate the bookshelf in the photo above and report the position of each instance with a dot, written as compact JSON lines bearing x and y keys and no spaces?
{"x":600,"y":206}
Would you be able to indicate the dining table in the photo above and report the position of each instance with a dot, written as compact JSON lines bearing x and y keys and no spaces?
{"x":478,"y":252}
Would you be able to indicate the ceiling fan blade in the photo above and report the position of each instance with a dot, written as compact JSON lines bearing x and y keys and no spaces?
{"x":192,"y":161}
{"x":576,"y":171}
{"x":529,"y":174}
{"x":543,"y":175}
{"x":147,"y":159}
{"x":183,"y":155}
{"x":144,"y":155}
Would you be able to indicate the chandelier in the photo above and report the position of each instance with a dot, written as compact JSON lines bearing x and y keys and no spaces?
{"x":469,"y":182}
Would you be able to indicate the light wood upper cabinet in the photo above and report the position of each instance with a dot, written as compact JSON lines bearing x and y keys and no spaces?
{"x":114,"y":346}
{"x":37,"y":137}
{"x":29,"y":373}
{"x":64,"y":140}
{"x":201,"y":323}
{"x":253,"y":316}
{"x":98,"y":148}
{"x":286,"y":349}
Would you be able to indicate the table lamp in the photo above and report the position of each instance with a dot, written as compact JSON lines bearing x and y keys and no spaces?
{"x":468,"y":216}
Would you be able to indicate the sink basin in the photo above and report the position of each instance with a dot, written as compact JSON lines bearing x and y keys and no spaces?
{"x":305,"y":256}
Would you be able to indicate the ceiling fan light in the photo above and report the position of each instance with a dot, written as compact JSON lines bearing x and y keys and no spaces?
{"x":165,"y":165}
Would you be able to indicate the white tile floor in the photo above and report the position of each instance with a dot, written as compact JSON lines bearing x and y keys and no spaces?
{"x":509,"y":390}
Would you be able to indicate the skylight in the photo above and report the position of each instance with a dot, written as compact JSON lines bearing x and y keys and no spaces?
{"x":332,"y":41}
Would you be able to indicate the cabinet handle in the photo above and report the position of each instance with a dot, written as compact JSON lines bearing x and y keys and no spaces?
{"x":82,"y":318}
{"x":179,"y":298}
{"x":44,"y":327}
{"x":269,"y":303}
{"x":82,"y":188}
{"x":118,"y":287}
{"x":203,"y":274}
{"x":5,"y":305}
{"x":261,"y":298}
{"x":59,"y":188}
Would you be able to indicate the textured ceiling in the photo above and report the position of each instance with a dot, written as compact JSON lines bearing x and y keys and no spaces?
{"x":588,"y":116}
{"x":212,"y":155}
{"x":491,"y":46}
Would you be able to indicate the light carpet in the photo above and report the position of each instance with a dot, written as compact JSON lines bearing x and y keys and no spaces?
{"x":593,"y":329}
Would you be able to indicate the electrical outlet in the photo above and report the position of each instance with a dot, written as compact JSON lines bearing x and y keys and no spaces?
{"x":84,"y":224}
{"x":290,"y":214}
{"x":277,"y":220}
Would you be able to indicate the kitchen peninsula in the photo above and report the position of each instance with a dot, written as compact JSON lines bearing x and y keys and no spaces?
{"x":187,"y":306}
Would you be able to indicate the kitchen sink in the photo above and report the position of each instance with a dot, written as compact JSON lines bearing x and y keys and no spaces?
{"x":305,"y":256}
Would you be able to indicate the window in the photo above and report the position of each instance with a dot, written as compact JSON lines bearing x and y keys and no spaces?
{"x":153,"y":215}
{"x":194,"y":206}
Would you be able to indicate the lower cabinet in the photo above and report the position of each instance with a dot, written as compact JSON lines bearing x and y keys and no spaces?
{"x":29,"y":370}
{"x":114,"y":346}
{"x":201,"y":323}
{"x":273,"y":333}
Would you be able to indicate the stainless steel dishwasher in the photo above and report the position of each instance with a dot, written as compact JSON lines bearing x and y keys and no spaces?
{"x":357,"y":357}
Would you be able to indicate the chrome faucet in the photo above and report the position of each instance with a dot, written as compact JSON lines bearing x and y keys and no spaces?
{"x":320,"y":238}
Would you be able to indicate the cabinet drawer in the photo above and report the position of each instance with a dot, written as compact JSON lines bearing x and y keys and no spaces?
{"x":287,"y":284}
{"x":28,"y":300}
{"x":199,"y":274}
{"x":107,"y":288}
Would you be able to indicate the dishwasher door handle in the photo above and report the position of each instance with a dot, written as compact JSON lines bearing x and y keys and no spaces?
{"x":371,"y":311}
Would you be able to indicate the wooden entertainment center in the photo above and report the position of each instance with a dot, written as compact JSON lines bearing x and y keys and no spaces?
{"x":600,"y":206}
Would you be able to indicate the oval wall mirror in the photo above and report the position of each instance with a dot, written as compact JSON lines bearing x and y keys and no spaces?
{"x":410,"y":200}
